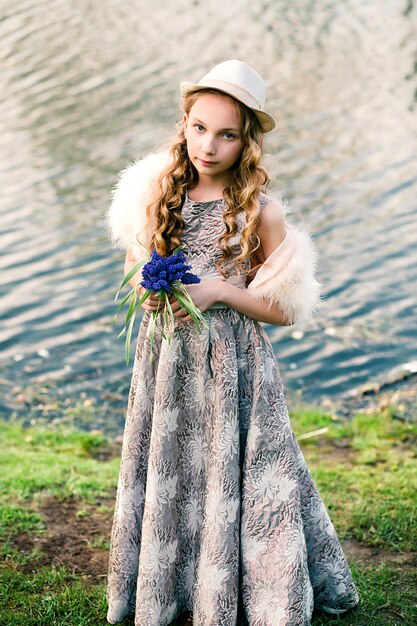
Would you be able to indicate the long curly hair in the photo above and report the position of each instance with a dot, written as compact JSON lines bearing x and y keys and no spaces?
{"x":249,"y":178}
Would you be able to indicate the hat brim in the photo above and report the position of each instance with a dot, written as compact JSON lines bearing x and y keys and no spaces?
{"x":266,"y":121}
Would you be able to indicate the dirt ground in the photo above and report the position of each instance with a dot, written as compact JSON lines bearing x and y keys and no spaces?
{"x":74,"y":541}
{"x":71,"y":539}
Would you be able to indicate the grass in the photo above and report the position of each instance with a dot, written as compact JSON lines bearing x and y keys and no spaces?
{"x":388,"y":598}
{"x":50,"y":597}
{"x":57,"y":488}
{"x":37,"y":461}
{"x":365,"y":470}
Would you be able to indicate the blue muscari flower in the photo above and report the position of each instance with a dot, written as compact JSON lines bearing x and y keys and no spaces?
{"x":190,"y":279}
{"x":160,"y":272}
{"x":161,"y":275}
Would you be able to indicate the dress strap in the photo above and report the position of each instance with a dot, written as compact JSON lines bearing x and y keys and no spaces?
{"x":264,"y":200}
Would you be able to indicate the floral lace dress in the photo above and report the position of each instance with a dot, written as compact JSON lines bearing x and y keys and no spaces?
{"x":216,"y":511}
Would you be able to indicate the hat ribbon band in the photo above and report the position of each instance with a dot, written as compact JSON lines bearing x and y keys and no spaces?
{"x":235,"y":87}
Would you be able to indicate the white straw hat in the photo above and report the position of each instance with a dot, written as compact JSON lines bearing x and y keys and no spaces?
{"x":240,"y":80}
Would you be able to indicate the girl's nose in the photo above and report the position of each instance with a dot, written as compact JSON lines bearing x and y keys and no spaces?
{"x":208,"y":145}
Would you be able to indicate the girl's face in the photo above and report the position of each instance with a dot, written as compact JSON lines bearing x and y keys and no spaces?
{"x":214,"y":138}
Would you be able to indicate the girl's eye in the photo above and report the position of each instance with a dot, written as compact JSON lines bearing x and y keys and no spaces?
{"x":200,"y":129}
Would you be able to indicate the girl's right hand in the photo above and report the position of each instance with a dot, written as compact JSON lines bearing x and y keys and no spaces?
{"x":151,"y":302}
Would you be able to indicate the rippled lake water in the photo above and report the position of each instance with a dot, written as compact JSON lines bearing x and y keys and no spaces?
{"x":88,"y":87}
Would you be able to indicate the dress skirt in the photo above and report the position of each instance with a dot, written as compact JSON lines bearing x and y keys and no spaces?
{"x":216,"y":511}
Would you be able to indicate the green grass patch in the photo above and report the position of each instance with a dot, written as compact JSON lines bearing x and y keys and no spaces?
{"x":388,"y":597}
{"x":366,"y":472}
{"x":61,"y":461}
{"x":50,"y":597}
{"x":17,"y":519}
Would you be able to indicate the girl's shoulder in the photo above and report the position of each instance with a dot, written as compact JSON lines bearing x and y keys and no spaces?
{"x":264,"y":199}
{"x":277,"y":207}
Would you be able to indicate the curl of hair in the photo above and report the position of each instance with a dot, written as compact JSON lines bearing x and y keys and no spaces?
{"x":249,"y":179}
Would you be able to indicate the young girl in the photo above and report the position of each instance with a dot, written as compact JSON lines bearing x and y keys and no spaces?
{"x":217,"y":518}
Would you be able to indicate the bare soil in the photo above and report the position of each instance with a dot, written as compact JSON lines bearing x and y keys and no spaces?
{"x":69,"y":540}
{"x":69,"y":537}
{"x":362,"y":553}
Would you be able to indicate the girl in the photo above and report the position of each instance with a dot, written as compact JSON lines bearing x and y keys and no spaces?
{"x":217,"y":518}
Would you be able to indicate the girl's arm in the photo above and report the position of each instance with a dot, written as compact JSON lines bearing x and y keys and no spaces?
{"x":242,"y":301}
{"x":271,"y":233}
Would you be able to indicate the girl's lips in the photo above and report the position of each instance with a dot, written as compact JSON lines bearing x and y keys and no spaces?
{"x":207,"y":162}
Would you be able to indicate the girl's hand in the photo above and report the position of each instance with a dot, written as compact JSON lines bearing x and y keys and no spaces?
{"x":151,"y":303}
{"x":203,"y":294}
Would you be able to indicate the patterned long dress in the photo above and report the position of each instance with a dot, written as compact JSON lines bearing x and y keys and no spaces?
{"x":216,"y":511}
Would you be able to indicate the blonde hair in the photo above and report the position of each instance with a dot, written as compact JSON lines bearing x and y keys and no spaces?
{"x":249,"y":178}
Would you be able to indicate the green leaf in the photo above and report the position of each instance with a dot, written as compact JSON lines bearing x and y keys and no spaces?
{"x":182,"y":301}
{"x":123,"y":302}
{"x":152,"y":333}
{"x":194,"y":312}
{"x":191,"y":308}
{"x":191,"y":313}
{"x":145,"y":296}
{"x":131,"y":308}
{"x":128,"y":276}
{"x":122,"y":332}
{"x":185,"y":293}
{"x":161,"y":296}
{"x":188,"y":304}
{"x":169,"y":313}
{"x":169,"y":307}
{"x":128,"y":338}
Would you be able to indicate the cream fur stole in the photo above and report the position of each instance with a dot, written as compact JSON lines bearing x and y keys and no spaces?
{"x":286,"y":278}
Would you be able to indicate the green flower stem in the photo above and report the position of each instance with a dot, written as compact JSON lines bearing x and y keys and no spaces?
{"x":133,"y":294}
{"x":194,"y":312}
{"x":168,"y":308}
{"x":123,"y":302}
{"x":152,"y":334}
{"x":132,"y":306}
{"x":130,"y":318}
{"x":128,"y":339}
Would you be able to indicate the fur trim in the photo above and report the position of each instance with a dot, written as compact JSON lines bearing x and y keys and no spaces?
{"x":126,"y":219}
{"x":286,"y":278}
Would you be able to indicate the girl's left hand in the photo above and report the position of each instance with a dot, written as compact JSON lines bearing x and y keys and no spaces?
{"x":203,"y":294}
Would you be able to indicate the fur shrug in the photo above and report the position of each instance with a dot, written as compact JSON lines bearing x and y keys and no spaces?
{"x":286,"y":277}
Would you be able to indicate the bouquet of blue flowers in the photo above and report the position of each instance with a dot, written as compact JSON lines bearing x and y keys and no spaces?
{"x":163,"y":276}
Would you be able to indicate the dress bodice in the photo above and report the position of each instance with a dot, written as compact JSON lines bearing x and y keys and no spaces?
{"x":203,"y":227}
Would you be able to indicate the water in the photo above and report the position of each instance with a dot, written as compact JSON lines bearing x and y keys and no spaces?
{"x":88,"y":87}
